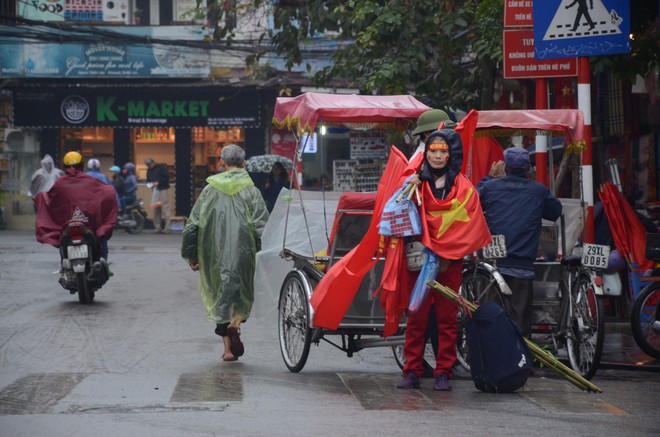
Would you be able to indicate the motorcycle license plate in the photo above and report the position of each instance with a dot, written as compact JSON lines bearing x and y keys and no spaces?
{"x":496,"y":249}
{"x":77,"y":252}
{"x":595,"y":256}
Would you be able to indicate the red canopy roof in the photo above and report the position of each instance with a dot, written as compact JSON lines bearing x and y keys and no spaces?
{"x":305,"y":110}
{"x":568,"y":121}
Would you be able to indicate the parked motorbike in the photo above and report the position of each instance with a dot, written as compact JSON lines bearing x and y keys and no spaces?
{"x":83,"y":270}
{"x":133,"y":221}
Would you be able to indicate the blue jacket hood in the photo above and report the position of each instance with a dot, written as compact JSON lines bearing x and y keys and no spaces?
{"x":130,"y":167}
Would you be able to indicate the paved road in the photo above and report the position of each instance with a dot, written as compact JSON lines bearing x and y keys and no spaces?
{"x":143,"y":361}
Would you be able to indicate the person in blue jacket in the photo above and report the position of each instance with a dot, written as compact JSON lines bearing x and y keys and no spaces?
{"x":130,"y":186}
{"x":514,"y":206}
{"x":94,"y":170}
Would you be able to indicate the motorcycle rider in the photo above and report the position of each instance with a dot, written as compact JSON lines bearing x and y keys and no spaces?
{"x":94,"y":170}
{"x":130,"y":187}
{"x":76,"y":196}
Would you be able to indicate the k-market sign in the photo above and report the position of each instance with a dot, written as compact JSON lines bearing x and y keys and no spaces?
{"x":136,"y":107}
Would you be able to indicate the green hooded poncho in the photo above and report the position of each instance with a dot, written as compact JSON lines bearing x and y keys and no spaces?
{"x":223,"y":235}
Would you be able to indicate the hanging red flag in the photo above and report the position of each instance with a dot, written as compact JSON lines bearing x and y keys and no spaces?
{"x":336,"y":290}
{"x":627,"y":229}
{"x":466,"y":129}
{"x":564,"y":95}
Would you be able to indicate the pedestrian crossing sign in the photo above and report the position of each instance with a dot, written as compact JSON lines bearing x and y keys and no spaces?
{"x":575,"y":28}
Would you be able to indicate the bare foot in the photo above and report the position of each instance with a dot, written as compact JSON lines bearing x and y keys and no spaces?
{"x":229,"y":357}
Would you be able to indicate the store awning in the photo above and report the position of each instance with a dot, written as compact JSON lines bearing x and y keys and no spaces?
{"x":303,"y":112}
{"x":569,"y":122}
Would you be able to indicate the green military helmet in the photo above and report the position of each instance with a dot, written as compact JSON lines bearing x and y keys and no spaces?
{"x":431,"y":119}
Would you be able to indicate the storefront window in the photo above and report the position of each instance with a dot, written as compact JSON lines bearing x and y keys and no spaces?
{"x":95,"y":143}
{"x":346,"y":159}
{"x":207,"y":145}
{"x":155,"y":143}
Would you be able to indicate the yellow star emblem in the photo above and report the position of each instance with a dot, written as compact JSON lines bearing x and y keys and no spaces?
{"x":456,"y":213}
{"x":566,"y":91}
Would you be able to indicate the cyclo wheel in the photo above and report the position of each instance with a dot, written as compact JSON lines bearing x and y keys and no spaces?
{"x":644,"y":313}
{"x":293,"y":321}
{"x":586,"y":328}
{"x":475,"y":282}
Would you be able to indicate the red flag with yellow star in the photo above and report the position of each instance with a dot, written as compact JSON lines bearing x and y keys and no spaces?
{"x":564,"y":95}
{"x":455,"y":226}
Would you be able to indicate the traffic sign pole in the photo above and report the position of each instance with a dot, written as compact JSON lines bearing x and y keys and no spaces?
{"x":584,"y":104}
{"x":542,"y":140}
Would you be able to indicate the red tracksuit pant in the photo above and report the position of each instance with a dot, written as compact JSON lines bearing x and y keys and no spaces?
{"x":446,"y":311}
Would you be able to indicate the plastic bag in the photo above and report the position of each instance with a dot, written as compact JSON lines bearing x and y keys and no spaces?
{"x":400,"y":219}
{"x":155,"y":198}
{"x":429,"y":272}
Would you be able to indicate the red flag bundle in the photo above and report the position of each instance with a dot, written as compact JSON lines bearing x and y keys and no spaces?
{"x":336,"y":290}
{"x":627,"y":229}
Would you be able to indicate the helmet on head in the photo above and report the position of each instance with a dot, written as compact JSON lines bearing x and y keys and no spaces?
{"x":430,"y":121}
{"x":93,"y":164}
{"x":72,"y":158}
{"x":115,"y":169}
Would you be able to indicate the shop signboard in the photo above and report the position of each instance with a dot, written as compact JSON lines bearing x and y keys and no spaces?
{"x":127,"y":107}
{"x":368,"y":145}
{"x":283,"y":143}
{"x":109,"y":58}
{"x":60,"y":10}
{"x":42,"y":10}
{"x":518,"y":13}
{"x":520,"y":62}
{"x":565,"y":28}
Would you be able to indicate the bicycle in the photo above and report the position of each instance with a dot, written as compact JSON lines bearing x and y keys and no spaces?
{"x":645,"y":320}
{"x":579,"y":326}
{"x":644,"y":317}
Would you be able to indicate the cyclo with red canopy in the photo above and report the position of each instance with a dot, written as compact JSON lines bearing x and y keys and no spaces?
{"x":362,"y":323}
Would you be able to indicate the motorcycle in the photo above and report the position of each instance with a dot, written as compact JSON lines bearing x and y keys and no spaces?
{"x":83,"y":270}
{"x":133,"y":221}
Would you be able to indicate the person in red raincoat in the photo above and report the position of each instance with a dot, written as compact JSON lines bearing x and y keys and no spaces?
{"x":76,"y":196}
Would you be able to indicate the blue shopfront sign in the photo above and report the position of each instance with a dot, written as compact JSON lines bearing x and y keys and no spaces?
{"x":575,"y":28}
{"x":107,"y":58}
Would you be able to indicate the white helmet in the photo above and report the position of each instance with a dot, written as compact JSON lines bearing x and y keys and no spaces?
{"x":93,"y":164}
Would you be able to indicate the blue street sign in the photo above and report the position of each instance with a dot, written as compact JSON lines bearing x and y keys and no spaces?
{"x":575,"y":28}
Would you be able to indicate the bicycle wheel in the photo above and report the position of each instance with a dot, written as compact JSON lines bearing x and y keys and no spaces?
{"x":644,"y":314}
{"x":293,"y":321}
{"x":585,"y":328}
{"x":477,"y":287}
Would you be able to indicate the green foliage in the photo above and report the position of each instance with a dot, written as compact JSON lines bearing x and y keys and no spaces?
{"x":405,"y":46}
{"x":448,"y":52}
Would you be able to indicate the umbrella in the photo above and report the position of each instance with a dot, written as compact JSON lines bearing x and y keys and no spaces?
{"x":264,"y":163}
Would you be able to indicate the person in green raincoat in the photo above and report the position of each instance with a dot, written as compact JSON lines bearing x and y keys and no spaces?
{"x":221,"y":239}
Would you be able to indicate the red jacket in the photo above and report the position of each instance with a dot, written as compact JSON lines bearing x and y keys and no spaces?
{"x":75,"y":196}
